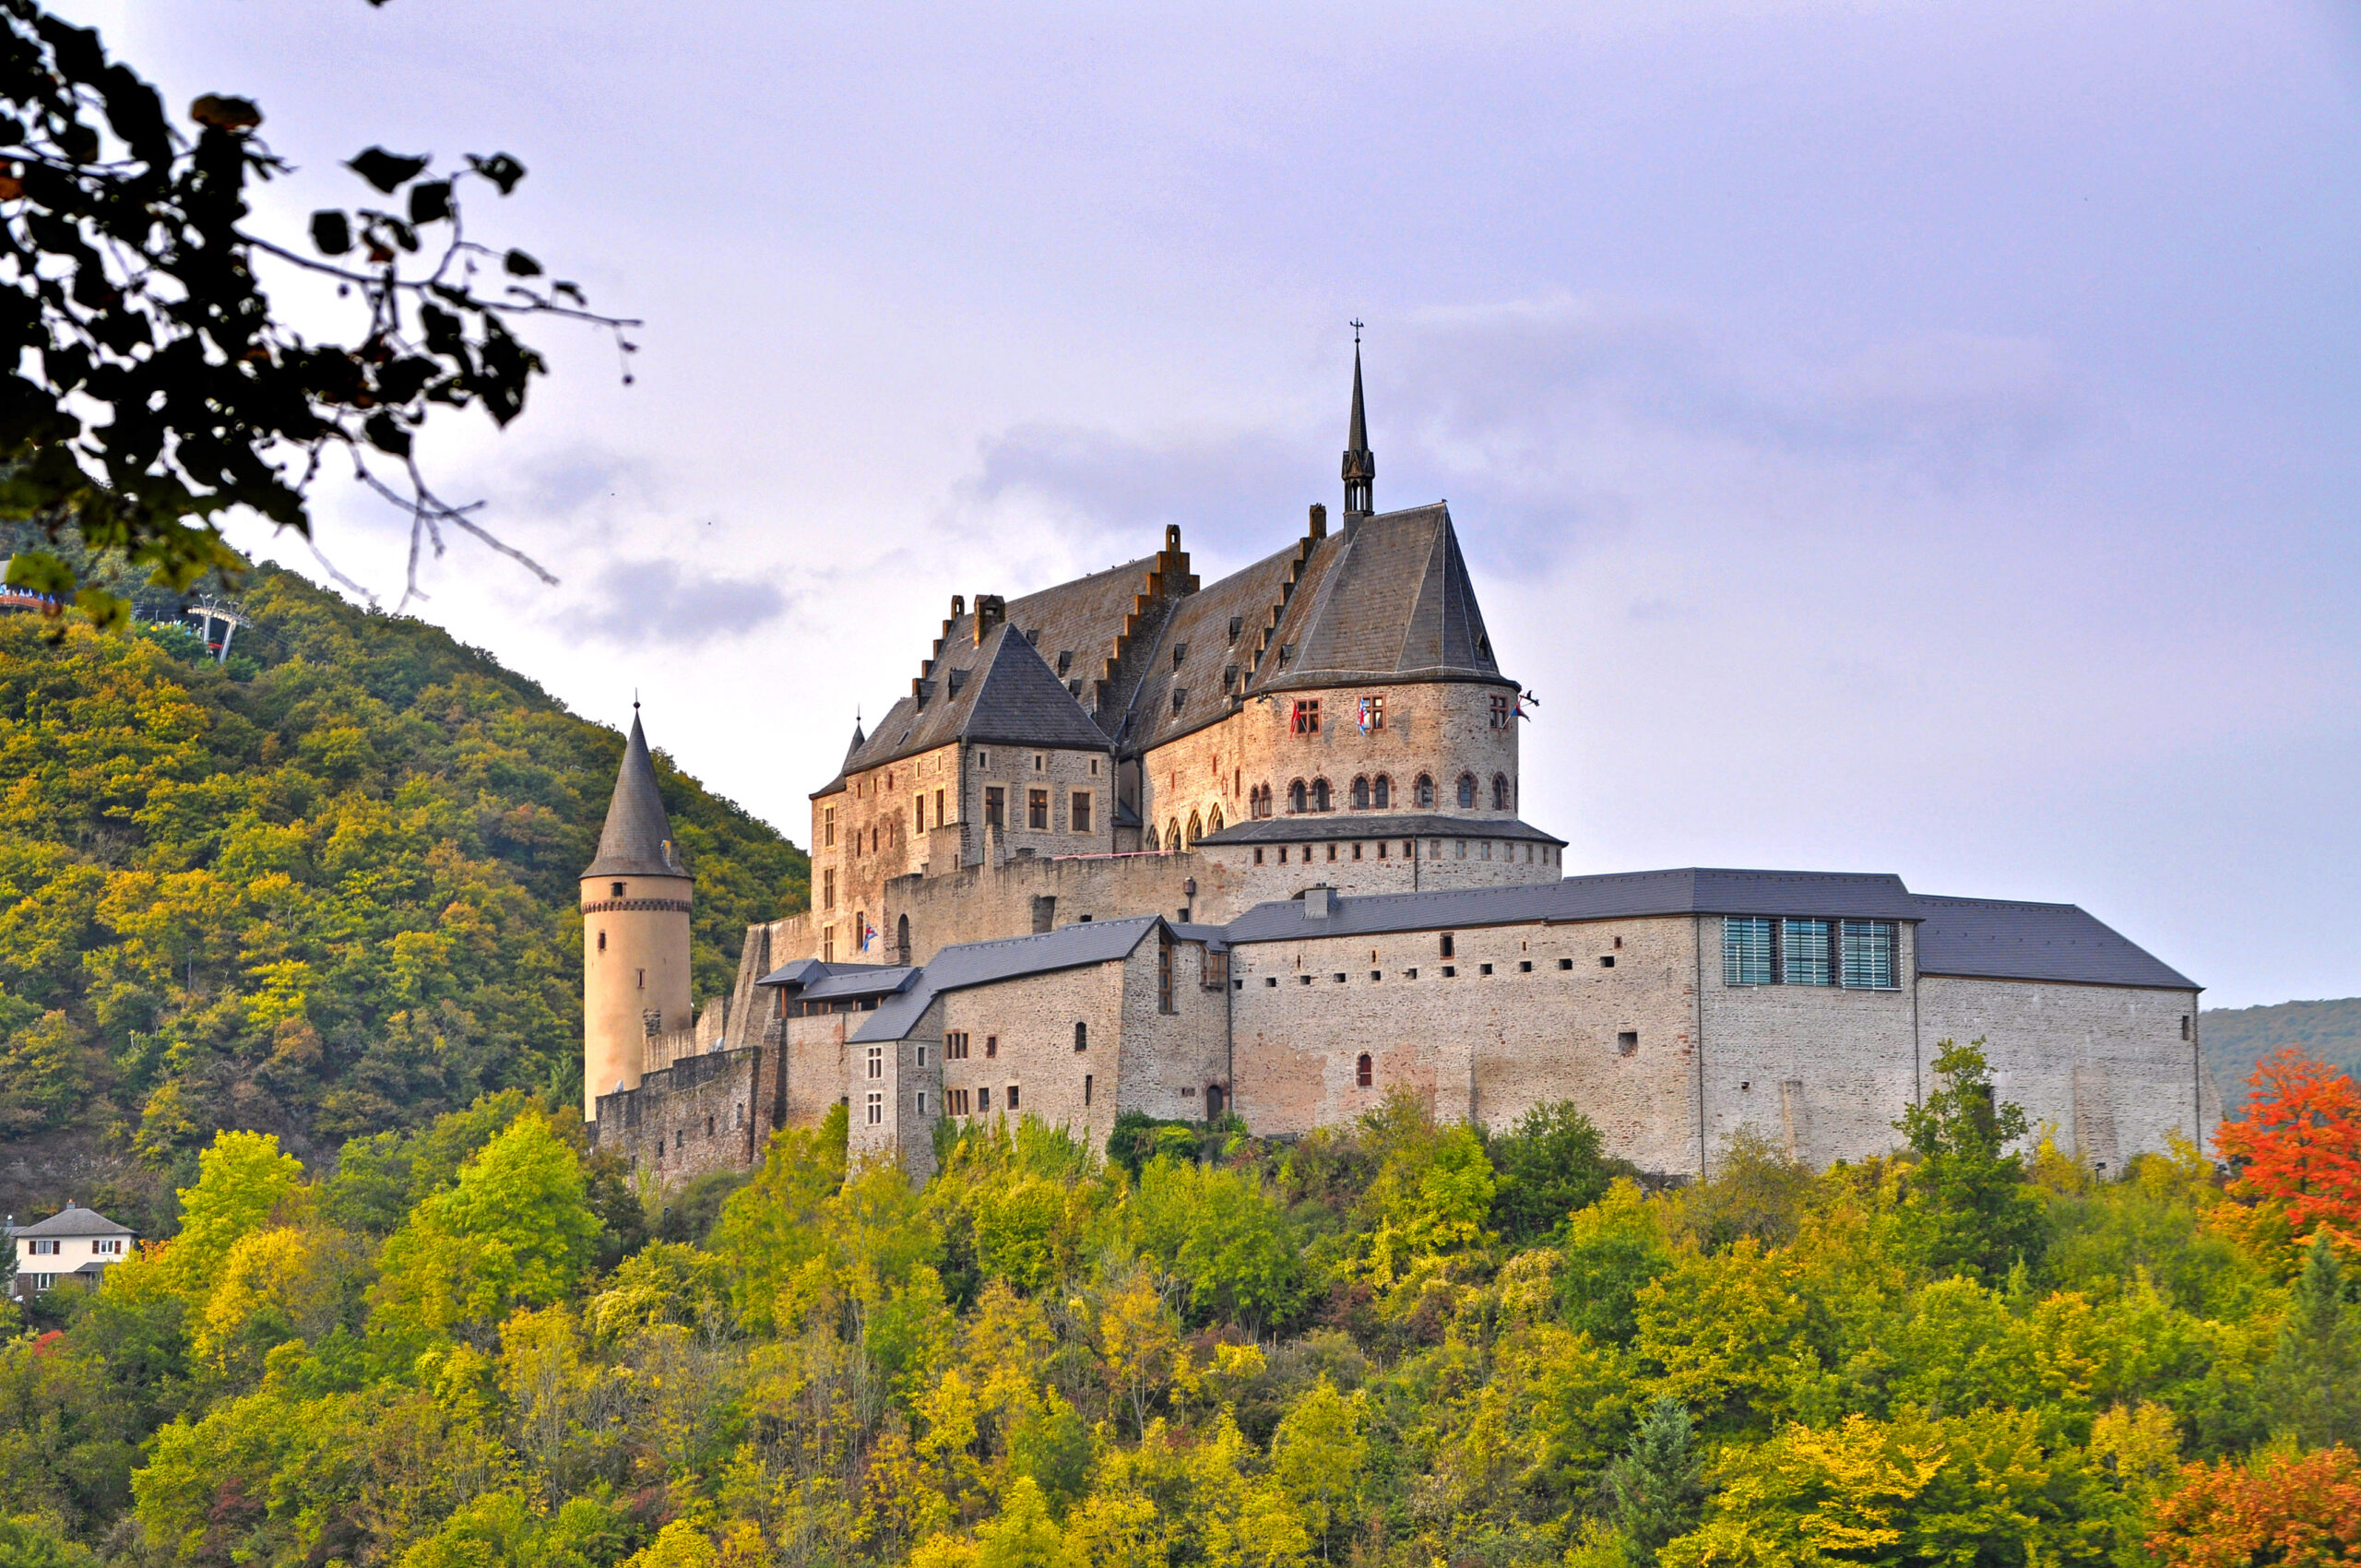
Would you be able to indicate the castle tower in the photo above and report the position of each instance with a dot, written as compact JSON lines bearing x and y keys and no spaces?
{"x":634,"y":931}
{"x":1360,"y":463}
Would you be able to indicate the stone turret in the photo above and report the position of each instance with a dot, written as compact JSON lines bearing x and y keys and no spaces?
{"x":634,"y":933}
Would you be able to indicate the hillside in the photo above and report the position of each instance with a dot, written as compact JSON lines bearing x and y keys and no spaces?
{"x":328,"y":890}
{"x":2236,"y":1037}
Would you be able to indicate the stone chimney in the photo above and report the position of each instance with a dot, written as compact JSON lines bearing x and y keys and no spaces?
{"x":990,"y":610}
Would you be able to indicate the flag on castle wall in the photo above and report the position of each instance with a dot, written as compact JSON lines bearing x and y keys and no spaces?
{"x":1366,"y":706}
{"x":868,"y":934}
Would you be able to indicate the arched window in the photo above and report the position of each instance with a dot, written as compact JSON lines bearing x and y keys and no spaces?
{"x":1426,"y":792}
{"x":1298,"y":799}
{"x":1172,"y":835}
{"x":1320,"y":801}
{"x":1214,"y":1098}
{"x":1467,"y":791}
{"x":1213,"y":824}
{"x":902,"y":940}
{"x":1381,"y":791}
{"x":1360,"y":793}
{"x":1196,"y":831}
{"x":1362,"y":1074}
{"x":1499,"y":791}
{"x":1152,"y":845}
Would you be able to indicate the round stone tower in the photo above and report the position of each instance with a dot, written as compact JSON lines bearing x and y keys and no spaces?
{"x":634,"y":933}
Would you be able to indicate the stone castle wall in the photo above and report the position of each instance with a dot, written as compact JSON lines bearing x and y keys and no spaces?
{"x":704,"y":1113}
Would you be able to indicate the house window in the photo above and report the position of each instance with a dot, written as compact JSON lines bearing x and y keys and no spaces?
{"x":1381,"y":791}
{"x":1501,"y":712}
{"x":1163,"y":981}
{"x":1010,"y":1102}
{"x":44,"y":1249}
{"x":1360,"y":793}
{"x":1036,"y":810}
{"x":1298,"y":797}
{"x":995,"y":807}
{"x":954,"y":1103}
{"x":922,"y":1051}
{"x":828,"y":826}
{"x":940,"y":817}
{"x":991,"y":1046}
{"x":1499,"y":791}
{"x":984,"y":1100}
{"x":1307,"y":716}
{"x":1258,"y":857}
{"x":917,"y":812}
{"x":1237,"y":624}
{"x":1363,"y":1072}
{"x":827,"y":945}
{"x":1085,"y":1088}
{"x":828,"y":888}
{"x":1804,"y":957}
{"x":1627,"y":1042}
{"x":1865,"y":950}
{"x":2184,"y":1026}
{"x":1467,"y":791}
{"x":1320,"y":801}
{"x":877,"y":1061}
{"x":1081,"y":810}
{"x":954,"y":1047}
{"x":1450,"y":946}
{"x":1424,"y":792}
{"x":1040,"y":762}
{"x":921,"y":1103}
{"x":983,"y":760}
{"x":614,"y":890}
{"x":876,"y":1108}
{"x":1746,"y":951}
{"x":1081,"y":1036}
{"x":1373,"y":712}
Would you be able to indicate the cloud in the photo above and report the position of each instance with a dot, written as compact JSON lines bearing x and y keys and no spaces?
{"x":659,"y":602}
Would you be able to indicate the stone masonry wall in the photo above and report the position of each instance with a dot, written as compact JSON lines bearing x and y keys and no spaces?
{"x":1484,"y":1045}
{"x":1355,"y":866}
{"x":702,"y":1114}
{"x":1438,"y":729}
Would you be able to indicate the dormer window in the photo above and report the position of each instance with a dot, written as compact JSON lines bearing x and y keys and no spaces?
{"x":1237,"y":624}
{"x":958,"y":678}
{"x":1180,"y":652}
{"x":1065,"y":661}
{"x":1179,"y":696}
{"x":1034,"y":637}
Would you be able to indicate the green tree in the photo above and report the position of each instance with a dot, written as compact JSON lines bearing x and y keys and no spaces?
{"x":243,"y":1181}
{"x":1968,"y":1209}
{"x":1549,"y":1164}
{"x":1611,"y":1249}
{"x":1657,"y":1484}
{"x":2312,"y":1382}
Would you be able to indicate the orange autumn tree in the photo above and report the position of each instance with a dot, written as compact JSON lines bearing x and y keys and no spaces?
{"x":2299,"y":1153}
{"x":2299,"y":1513}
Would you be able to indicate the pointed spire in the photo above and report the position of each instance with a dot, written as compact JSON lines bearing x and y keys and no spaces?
{"x":859,"y":738}
{"x":637,"y":838}
{"x":1360,"y":463}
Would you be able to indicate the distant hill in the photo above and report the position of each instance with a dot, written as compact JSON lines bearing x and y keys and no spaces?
{"x":2236,"y":1037}
{"x":326,"y":890}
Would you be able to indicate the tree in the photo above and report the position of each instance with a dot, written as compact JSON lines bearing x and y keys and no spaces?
{"x":1549,"y":1165}
{"x":1657,"y":1484}
{"x":1968,"y":1209}
{"x":243,"y":1181}
{"x":2313,"y":1379}
{"x":2289,"y":1510}
{"x":135,"y":290}
{"x":2297,"y":1147}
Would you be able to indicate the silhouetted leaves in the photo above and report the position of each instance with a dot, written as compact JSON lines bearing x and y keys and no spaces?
{"x":388,"y":172}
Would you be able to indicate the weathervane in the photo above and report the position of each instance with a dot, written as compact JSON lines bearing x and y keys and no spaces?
{"x":1356,"y":325}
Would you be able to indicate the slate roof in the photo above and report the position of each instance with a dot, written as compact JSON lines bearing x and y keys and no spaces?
{"x":1341,"y":827}
{"x":1387,"y":598}
{"x":1691,"y":891}
{"x":982,"y":962}
{"x":72,"y":1221}
{"x":1001,"y":693}
{"x":814,"y":980}
{"x":637,"y":837}
{"x":1198,"y":627}
{"x":1995,"y":939}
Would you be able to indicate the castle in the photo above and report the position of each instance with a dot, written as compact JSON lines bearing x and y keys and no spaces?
{"x":1139,"y":843}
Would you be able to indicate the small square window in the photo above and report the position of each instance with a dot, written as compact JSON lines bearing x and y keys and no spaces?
{"x":1449,"y":972}
{"x":1483,"y":969}
{"x":1258,"y":855}
{"x":615,"y":890}
{"x":1411,"y":974}
{"x":1340,"y":979}
{"x":1376,"y":975}
{"x":1627,"y":1042}
{"x":1607,"y":961}
{"x":1304,"y":979}
{"x":1524,"y":966}
{"x":1270,"y":980}
{"x":1565,"y":963}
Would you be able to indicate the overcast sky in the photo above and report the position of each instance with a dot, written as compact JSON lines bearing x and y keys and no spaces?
{"x":1911,"y":437}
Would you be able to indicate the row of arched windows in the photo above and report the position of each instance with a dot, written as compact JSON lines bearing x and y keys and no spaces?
{"x":1375,"y":793}
{"x":1176,"y":837}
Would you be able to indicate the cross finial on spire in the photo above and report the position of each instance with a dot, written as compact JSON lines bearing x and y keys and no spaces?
{"x":1356,"y":325}
{"x":1360,"y":463}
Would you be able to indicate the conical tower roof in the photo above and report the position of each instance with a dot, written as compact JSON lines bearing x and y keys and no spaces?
{"x":1360,"y":463}
{"x":637,"y":839}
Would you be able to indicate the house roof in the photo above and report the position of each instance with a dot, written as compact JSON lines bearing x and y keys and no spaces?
{"x":1341,"y":827}
{"x":1000,"y":692}
{"x":1691,"y":891}
{"x":814,"y":980}
{"x":1997,"y":939}
{"x":1386,"y":598}
{"x":982,"y":962}
{"x":72,"y":1221}
{"x":637,"y":837}
{"x":1198,"y":630}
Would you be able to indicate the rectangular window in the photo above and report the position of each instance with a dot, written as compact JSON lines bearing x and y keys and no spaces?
{"x":1804,"y":957}
{"x":938,"y":817}
{"x":995,"y":809}
{"x":1164,"y":976}
{"x":1081,"y":811}
{"x":1081,"y":1035}
{"x":1627,"y":1043}
{"x":44,"y":1249}
{"x":983,"y":760}
{"x":1746,"y":951}
{"x":828,"y":826}
{"x":1866,"y":949}
{"x":922,"y":1049}
{"x":1010,"y":1102}
{"x":991,"y":1046}
{"x":877,"y":1061}
{"x":954,"y":1047}
{"x":1307,"y":716}
{"x":917,"y":812}
{"x":827,"y":945}
{"x":1500,"y":712}
{"x":984,"y":1101}
{"x":921,"y":1106}
{"x":1036,"y":810}
{"x":828,"y":888}
{"x":1085,"y":1088}
{"x":876,"y":1108}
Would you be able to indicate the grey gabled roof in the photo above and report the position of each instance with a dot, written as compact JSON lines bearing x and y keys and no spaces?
{"x":1997,"y":939}
{"x":982,"y":962}
{"x":1342,"y":826}
{"x":812,"y":980}
{"x":1691,"y":891}
{"x":637,"y":837}
{"x":1000,"y":692}
{"x":73,"y":1221}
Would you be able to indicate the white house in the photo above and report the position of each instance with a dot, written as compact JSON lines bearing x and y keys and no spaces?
{"x":74,"y":1245}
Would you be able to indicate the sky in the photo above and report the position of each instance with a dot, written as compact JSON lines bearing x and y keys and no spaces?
{"x":1913,"y":437}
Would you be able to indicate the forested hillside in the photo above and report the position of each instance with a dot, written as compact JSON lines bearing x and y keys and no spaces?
{"x":1400,"y":1343}
{"x":325,"y":891}
{"x":2237,"y":1038}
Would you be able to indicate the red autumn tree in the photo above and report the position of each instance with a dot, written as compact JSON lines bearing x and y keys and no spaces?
{"x":2299,"y":1513}
{"x":2299,"y":1146}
